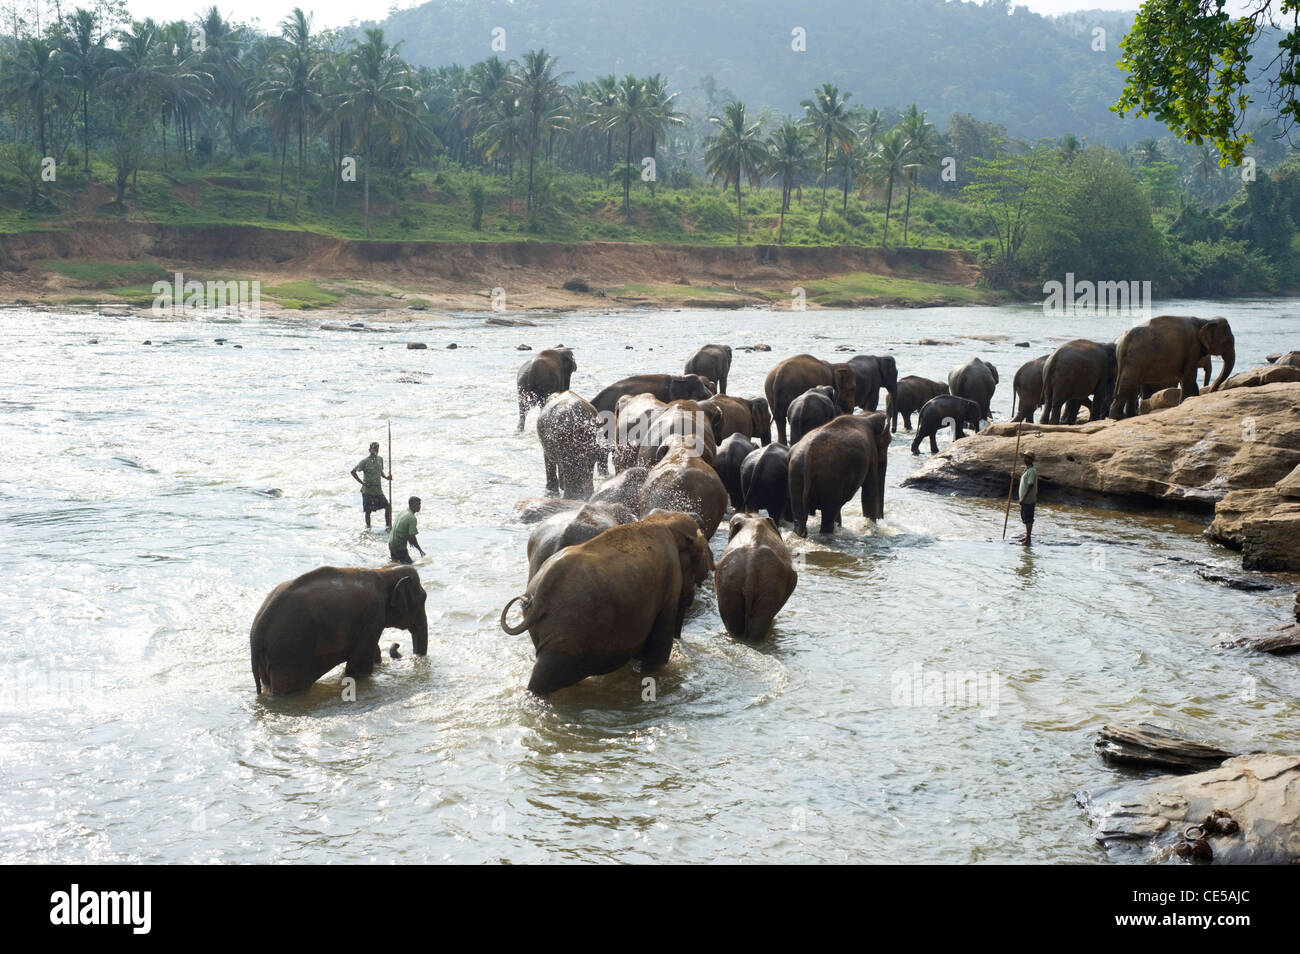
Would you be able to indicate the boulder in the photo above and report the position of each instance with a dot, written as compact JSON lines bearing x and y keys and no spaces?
{"x":1291,"y":358}
{"x":1169,"y":397}
{"x":1226,"y":451}
{"x":1246,"y":811}
{"x":1273,"y":374}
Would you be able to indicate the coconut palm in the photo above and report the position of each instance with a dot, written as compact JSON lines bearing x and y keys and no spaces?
{"x":632,"y":111}
{"x":536,"y":85}
{"x":660,"y":115}
{"x":736,"y":152}
{"x":221,"y":59}
{"x":291,"y":95}
{"x":827,"y":115}
{"x":922,"y":153}
{"x":35,"y":80}
{"x":885,"y":167}
{"x":84,"y":56}
{"x":789,"y":155}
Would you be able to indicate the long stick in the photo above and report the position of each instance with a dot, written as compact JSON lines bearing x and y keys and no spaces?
{"x":1006,"y":517}
{"x":390,"y":467}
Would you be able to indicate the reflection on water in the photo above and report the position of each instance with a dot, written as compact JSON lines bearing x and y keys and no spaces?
{"x":154,"y":496}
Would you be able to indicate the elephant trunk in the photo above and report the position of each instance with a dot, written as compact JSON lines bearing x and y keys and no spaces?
{"x":1229,"y":359}
{"x":420,"y":635}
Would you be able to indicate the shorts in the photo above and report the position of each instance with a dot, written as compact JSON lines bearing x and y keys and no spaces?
{"x":370,"y":502}
{"x":399,"y":554}
{"x":1026,"y":512}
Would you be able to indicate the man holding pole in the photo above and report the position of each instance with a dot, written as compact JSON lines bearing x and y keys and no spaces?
{"x":1028,"y":495}
{"x":372,"y":488}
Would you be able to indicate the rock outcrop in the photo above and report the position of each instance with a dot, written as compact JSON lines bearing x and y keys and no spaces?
{"x":1235,"y":452}
{"x":1246,"y":811}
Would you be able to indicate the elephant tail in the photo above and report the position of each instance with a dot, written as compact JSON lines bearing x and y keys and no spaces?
{"x":526,"y":602}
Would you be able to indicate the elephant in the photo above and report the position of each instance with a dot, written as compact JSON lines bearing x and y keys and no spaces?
{"x":870,"y":374}
{"x":545,"y":373}
{"x":684,"y":419}
{"x":572,"y":444}
{"x":1078,"y":372}
{"x":731,"y":455}
{"x":912,"y":394}
{"x":940,"y":412}
{"x":576,"y":526}
{"x":619,"y":596}
{"x":632,"y":416}
{"x":976,"y":380}
{"x":765,"y":481}
{"x":1168,"y":350}
{"x":832,"y":464}
{"x":333,"y":615}
{"x":665,"y":387}
{"x":1027,"y":389}
{"x":712,"y":362}
{"x":753,"y":578}
{"x":793,"y":376}
{"x":810,"y":410}
{"x":623,"y":488}
{"x":732,"y":415}
{"x":684,"y":483}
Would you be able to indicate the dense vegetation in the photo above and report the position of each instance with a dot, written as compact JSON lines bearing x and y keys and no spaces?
{"x":213,"y":122}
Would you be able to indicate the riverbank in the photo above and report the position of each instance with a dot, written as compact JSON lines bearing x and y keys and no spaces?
{"x":1232,"y":455}
{"x":92,"y":262}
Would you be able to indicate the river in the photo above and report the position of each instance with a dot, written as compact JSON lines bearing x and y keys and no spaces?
{"x":154,"y":494}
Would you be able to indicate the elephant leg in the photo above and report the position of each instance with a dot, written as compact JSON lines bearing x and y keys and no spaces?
{"x":364,"y":655}
{"x":934,"y":444}
{"x":829,"y":519}
{"x":1072,"y":411}
{"x":553,"y":671}
{"x":778,"y":412}
{"x":658,"y":647}
{"x":552,"y":472}
{"x":523,"y":411}
{"x":907,"y":421}
{"x":957,"y":432}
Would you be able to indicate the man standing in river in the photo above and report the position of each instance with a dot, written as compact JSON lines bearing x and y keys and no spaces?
{"x":372,"y":487}
{"x":1028,"y":496}
{"x":403,"y":532}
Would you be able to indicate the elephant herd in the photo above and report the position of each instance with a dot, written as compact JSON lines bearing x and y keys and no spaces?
{"x":613,"y":569}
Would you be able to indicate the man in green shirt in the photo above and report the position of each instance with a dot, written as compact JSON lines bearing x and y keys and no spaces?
{"x":403,"y":532}
{"x":372,"y":488}
{"x":1028,"y":496}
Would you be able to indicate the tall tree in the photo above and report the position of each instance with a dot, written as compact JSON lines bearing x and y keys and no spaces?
{"x":536,"y":86}
{"x":789,"y":155}
{"x":83,"y":51}
{"x":827,"y":115}
{"x":736,"y":152}
{"x":886,"y":167}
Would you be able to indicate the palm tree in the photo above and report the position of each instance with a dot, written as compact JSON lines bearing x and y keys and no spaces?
{"x":789,"y":155}
{"x":736,"y":152}
{"x":631,"y":111}
{"x":84,"y":54}
{"x":660,"y":115}
{"x":378,"y":98}
{"x":828,"y":116}
{"x":536,"y":85}
{"x":35,"y":79}
{"x":291,"y":95}
{"x":885,"y":167}
{"x":922,"y":152}
{"x":221,"y":59}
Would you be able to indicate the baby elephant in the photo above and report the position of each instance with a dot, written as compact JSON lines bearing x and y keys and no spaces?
{"x":754,"y":577}
{"x":941,"y":412}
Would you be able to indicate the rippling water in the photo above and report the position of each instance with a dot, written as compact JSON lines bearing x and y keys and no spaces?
{"x":153,"y":495}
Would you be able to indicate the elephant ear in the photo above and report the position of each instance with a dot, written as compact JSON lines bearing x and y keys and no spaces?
{"x":1214,"y":335}
{"x":400,"y":595}
{"x":760,"y":416}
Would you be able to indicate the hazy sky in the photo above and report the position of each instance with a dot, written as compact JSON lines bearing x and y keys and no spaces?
{"x":327,"y":13}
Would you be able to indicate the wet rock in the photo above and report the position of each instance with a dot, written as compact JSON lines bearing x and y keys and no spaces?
{"x":1259,"y":793}
{"x":577,"y":285}
{"x":843,"y":348}
{"x":627,"y":347}
{"x":239,"y":347}
{"x":933,"y":342}
{"x":762,"y":347}
{"x":510,"y":323}
{"x":524,"y":347}
{"x":407,"y":379}
{"x":93,"y":341}
{"x":1290,"y":359}
{"x":1169,"y":397}
{"x":418,"y":306}
{"x":452,"y":346}
{"x":1148,"y":745}
{"x":357,"y":324}
{"x":219,"y":341}
{"x":1022,"y":344}
{"x":147,"y":341}
{"x":416,"y":346}
{"x":1279,"y":641}
{"x":1238,"y":581}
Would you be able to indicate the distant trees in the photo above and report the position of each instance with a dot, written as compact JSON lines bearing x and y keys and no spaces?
{"x":736,"y":152}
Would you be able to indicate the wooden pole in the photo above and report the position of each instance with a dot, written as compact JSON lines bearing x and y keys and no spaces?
{"x":1006,"y":517}
{"x":390,"y":468}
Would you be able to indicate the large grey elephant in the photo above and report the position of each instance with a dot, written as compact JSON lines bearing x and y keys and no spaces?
{"x":753,"y":578}
{"x":837,"y":460}
{"x":1027,"y":389}
{"x":811,"y":410}
{"x":572,"y":444}
{"x":1078,"y":372}
{"x":976,"y":380}
{"x":713,"y":361}
{"x":545,"y":373}
{"x":665,"y":387}
{"x":619,"y":596}
{"x":333,"y":615}
{"x":793,"y":376}
{"x":871,"y":372}
{"x":1165,"y":351}
{"x":732,"y":415}
{"x":572,"y":527}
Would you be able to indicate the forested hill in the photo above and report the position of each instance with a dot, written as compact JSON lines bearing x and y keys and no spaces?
{"x":1037,"y":76}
